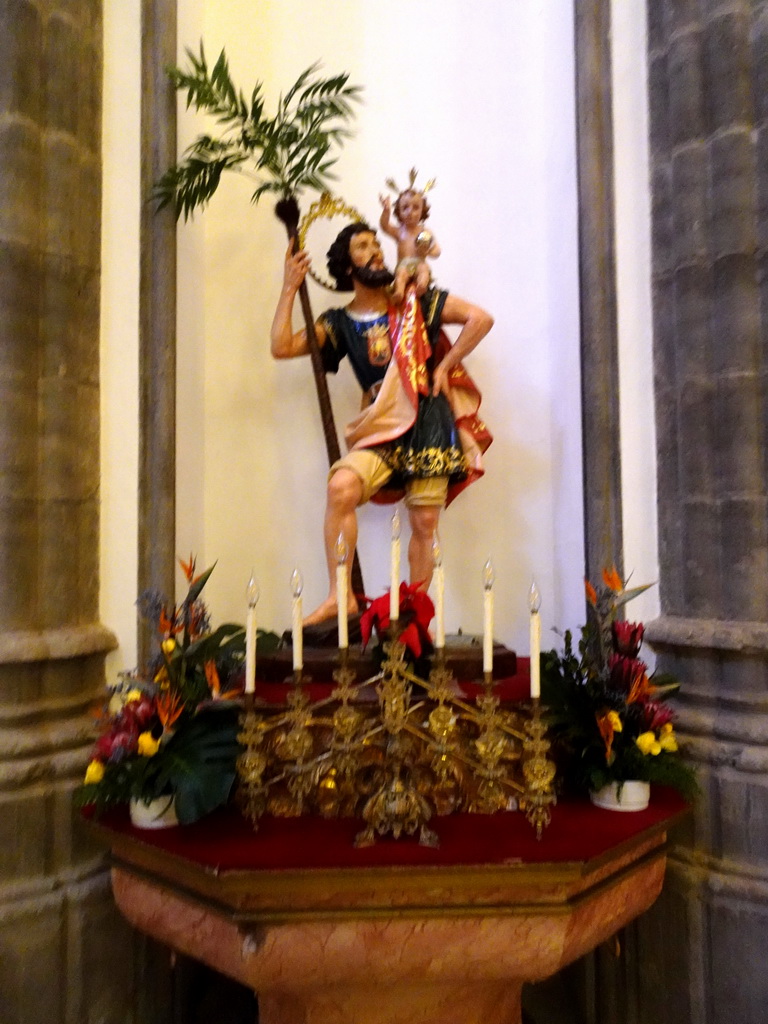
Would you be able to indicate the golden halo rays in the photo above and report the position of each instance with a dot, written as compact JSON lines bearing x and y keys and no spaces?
{"x":326,"y":208}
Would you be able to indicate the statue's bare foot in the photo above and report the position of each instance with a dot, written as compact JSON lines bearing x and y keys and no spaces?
{"x":329,"y":609}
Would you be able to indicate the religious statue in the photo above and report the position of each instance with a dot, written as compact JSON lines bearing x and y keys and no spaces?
{"x":414,"y":241}
{"x":418,"y":433}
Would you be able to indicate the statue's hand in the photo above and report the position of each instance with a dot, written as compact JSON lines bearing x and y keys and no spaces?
{"x":296,"y":267}
{"x":440,"y":380}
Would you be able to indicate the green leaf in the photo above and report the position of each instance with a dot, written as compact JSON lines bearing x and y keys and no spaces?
{"x":290,"y":147}
{"x":629,"y":595}
{"x":266,"y":641}
{"x":202,"y":758}
{"x":197,"y":585}
{"x":222,"y":639}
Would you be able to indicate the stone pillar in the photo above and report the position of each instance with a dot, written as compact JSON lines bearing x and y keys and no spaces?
{"x":597,"y":280}
{"x":703,"y":947}
{"x":62,"y":946}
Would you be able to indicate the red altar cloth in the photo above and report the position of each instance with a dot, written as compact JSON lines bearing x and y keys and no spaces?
{"x":512,"y":688}
{"x":579,"y":832}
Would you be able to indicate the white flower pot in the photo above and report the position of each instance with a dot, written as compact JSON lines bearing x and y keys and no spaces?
{"x":158,"y":813}
{"x":631,"y":796}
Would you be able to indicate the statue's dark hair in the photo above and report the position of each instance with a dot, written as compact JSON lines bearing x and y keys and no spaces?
{"x":412,"y":192}
{"x":339,"y":263}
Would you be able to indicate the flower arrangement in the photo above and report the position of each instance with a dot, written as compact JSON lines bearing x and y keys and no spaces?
{"x":172,"y":731}
{"x":609,"y":715}
{"x":416,"y":613}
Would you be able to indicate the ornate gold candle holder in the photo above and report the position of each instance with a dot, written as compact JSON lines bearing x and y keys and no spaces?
{"x":252,"y":763}
{"x":396,"y":807}
{"x":396,"y":750}
{"x":539,"y":772}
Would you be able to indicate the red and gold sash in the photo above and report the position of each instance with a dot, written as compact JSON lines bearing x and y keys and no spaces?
{"x":394,"y":410}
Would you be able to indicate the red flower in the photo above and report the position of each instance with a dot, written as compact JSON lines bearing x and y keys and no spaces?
{"x":657,"y":715}
{"x":628,"y":637}
{"x":625,"y":672}
{"x":118,"y":743}
{"x":416,"y":613}
{"x":103,"y":747}
{"x":141,"y":711}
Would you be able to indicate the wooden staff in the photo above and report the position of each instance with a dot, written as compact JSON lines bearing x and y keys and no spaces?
{"x":287,"y":210}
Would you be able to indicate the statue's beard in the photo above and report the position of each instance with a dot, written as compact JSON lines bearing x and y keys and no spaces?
{"x":372,"y":278}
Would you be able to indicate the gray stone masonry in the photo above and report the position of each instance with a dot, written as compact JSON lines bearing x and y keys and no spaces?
{"x":701,"y":949}
{"x":65,"y":956}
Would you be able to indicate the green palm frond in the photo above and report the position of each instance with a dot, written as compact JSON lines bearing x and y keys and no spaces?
{"x":288,"y":153}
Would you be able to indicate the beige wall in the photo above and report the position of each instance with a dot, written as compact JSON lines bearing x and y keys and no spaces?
{"x":484,"y":102}
{"x":633,"y":286}
{"x":471,"y":100}
{"x":120,"y":327}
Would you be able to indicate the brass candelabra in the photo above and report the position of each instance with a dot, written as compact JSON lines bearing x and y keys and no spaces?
{"x":395,"y":750}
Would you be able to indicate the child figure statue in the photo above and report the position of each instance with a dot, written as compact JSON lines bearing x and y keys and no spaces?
{"x":414,"y":241}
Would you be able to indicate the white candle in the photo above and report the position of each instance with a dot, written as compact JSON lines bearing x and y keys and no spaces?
{"x":488,"y":578}
{"x":342,"y":591}
{"x":534,"y":602}
{"x":252,"y":598}
{"x":439,"y":577}
{"x":394,"y":569}
{"x":297,"y":631}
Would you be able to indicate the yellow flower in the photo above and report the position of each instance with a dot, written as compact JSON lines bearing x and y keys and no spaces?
{"x":162,"y":676}
{"x":168,"y":645}
{"x":613,"y":718}
{"x":148,"y":745}
{"x":667,"y":738}
{"x":648,"y":743}
{"x":94,"y":773}
{"x":133,"y":695}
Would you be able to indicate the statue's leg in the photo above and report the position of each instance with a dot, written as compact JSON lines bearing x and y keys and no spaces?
{"x":352,"y":481}
{"x":423,"y":278}
{"x":402,"y":277}
{"x":425,"y":499}
{"x":424,"y":521}
{"x":345,"y":492}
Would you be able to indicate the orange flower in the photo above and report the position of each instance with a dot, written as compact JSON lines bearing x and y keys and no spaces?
{"x":169,"y":707}
{"x":641,"y":689}
{"x":188,"y":568}
{"x":168,"y":626}
{"x":612,"y":580}
{"x":591,"y":593}
{"x":607,"y":724}
{"x":212,"y":678}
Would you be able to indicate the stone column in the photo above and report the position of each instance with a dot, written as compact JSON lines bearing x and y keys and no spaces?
{"x":597,"y":281}
{"x":62,"y":947}
{"x":703,"y":948}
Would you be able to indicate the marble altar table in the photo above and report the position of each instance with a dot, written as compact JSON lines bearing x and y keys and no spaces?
{"x":395,"y":933}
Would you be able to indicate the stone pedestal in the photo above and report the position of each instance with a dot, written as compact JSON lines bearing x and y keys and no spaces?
{"x":439,"y":967}
{"x":409,"y":943}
